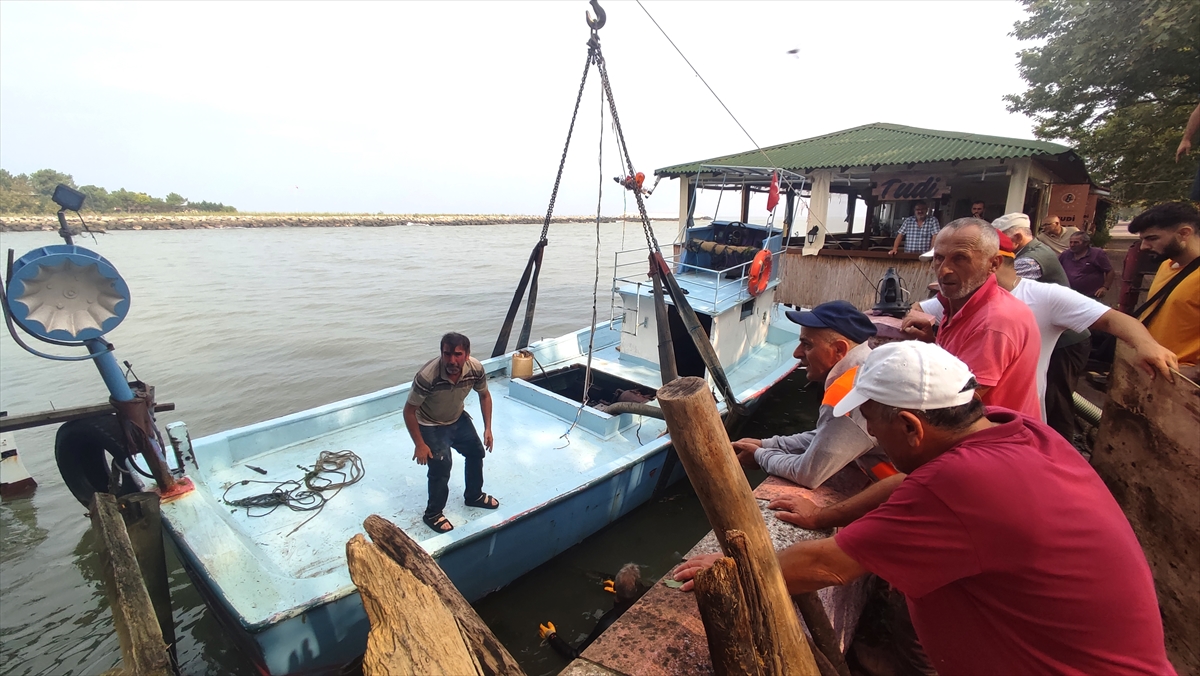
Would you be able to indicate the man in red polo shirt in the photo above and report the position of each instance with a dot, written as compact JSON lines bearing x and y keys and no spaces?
{"x":1012,"y":553}
{"x":994,"y":333}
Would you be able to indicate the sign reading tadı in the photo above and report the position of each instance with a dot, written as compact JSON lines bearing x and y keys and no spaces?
{"x":910,"y":187}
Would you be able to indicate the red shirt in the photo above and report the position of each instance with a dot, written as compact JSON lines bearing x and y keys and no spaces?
{"x":1015,"y":559}
{"x":996,"y":336}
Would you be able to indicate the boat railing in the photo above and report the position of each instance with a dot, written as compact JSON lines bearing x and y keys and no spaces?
{"x":709,"y":290}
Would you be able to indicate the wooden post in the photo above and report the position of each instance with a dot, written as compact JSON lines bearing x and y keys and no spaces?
{"x":143,"y":522}
{"x":823,"y":636}
{"x":143,"y":652}
{"x":412,"y":631}
{"x":720,"y":483}
{"x":726,"y":622}
{"x":492,"y":656}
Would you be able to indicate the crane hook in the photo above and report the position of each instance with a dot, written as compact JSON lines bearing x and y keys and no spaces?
{"x":597,"y":23}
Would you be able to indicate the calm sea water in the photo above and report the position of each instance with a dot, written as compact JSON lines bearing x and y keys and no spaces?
{"x":242,"y":325}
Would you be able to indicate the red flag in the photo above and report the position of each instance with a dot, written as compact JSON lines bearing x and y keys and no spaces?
{"x":773,"y":195}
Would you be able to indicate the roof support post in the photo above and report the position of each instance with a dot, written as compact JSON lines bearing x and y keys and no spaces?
{"x":687,"y":202}
{"x":818,"y":211}
{"x":1017,"y":182}
{"x":745,"y":216}
{"x":789,"y":213}
{"x":851,"y":200}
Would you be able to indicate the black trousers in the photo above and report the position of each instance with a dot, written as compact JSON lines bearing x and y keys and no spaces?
{"x":462,"y":437}
{"x":1066,"y":365}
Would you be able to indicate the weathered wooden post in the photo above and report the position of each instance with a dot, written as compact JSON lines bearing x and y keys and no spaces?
{"x":726,"y":622}
{"x":491,"y":655}
{"x":143,"y":522}
{"x":143,"y":652}
{"x":707,"y":455}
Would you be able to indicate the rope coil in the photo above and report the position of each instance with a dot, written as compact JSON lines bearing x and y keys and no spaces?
{"x":306,"y":494}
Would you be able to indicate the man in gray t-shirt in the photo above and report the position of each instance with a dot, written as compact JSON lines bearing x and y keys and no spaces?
{"x":436,"y":422}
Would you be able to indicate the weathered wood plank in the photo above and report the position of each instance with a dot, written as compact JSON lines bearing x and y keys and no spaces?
{"x":143,"y":651}
{"x":491,"y":654}
{"x":707,"y":454}
{"x":412,"y":631}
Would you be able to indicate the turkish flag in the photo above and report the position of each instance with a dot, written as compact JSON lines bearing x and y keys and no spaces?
{"x":773,"y":195}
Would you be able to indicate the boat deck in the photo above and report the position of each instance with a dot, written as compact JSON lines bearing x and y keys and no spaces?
{"x":274,"y":566}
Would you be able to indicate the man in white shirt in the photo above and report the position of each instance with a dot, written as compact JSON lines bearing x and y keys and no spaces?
{"x":1056,"y":309}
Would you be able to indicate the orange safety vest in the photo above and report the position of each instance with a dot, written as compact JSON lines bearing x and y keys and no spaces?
{"x":835,"y":393}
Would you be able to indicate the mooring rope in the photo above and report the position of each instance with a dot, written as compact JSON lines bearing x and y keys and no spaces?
{"x":306,"y":494}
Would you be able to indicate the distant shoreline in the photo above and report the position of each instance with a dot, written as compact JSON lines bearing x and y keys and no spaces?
{"x":21,"y":223}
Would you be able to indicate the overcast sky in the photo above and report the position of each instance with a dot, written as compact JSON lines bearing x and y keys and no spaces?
{"x":458,"y":107}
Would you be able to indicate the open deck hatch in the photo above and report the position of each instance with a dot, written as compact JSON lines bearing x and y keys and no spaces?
{"x":606,"y":388}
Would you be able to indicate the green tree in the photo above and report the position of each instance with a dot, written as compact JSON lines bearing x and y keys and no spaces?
{"x":6,"y":179}
{"x":1117,"y":80}
{"x":97,"y":198}
{"x":175,"y":200}
{"x":45,"y":180}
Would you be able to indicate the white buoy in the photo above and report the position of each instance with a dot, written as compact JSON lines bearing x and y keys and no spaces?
{"x":15,"y":481}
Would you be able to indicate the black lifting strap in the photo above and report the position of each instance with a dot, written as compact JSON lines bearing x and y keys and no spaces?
{"x":532,"y":269}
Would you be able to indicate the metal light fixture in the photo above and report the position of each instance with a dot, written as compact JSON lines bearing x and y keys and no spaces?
{"x":66,"y":292}
{"x":812,"y":234}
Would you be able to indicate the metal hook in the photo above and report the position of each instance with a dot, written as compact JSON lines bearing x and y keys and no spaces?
{"x":597,"y":23}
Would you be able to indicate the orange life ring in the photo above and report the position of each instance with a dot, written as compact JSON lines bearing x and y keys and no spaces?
{"x":760,"y":272}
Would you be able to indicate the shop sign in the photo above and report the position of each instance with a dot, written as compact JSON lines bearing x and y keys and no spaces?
{"x":1070,"y":203}
{"x":910,"y":187}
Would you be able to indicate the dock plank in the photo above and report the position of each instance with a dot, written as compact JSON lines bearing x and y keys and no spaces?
{"x":662,"y":635}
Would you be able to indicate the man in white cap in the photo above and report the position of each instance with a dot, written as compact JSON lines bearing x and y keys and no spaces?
{"x":995,"y":536}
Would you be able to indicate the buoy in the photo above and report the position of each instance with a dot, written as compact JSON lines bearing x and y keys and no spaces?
{"x":760,"y":272}
{"x":522,"y":365}
{"x":15,"y":480}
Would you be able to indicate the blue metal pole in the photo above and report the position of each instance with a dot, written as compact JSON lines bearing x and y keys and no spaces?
{"x":110,"y":371}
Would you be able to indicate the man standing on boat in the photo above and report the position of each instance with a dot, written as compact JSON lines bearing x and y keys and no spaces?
{"x":1012,"y":553}
{"x":833,"y":342}
{"x":436,"y":422}
{"x":916,"y":231}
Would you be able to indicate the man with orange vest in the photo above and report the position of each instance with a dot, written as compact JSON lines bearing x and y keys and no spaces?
{"x":833,"y":342}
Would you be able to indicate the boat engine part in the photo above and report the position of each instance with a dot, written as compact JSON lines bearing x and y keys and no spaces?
{"x":82,"y":449}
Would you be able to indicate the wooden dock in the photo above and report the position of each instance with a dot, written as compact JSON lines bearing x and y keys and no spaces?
{"x":662,"y":635}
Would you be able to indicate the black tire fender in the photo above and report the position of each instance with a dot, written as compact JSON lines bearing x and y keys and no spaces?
{"x":83,"y":450}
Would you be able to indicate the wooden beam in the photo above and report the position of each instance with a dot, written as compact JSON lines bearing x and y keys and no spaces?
{"x":412,"y":631}
{"x":704,"y":447}
{"x":10,"y":423}
{"x":491,"y":655}
{"x":726,"y":621}
{"x":143,"y":651}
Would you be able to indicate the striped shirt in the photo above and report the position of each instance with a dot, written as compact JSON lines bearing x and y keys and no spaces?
{"x":440,"y":402}
{"x":919,"y":238}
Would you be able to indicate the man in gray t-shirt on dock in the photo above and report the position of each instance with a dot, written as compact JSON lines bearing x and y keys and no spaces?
{"x":436,"y":422}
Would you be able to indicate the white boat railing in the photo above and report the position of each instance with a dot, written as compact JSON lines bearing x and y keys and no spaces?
{"x":708,"y":290}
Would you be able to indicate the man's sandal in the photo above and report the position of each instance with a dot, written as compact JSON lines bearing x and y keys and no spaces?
{"x":438,"y":523}
{"x":485,"y":501}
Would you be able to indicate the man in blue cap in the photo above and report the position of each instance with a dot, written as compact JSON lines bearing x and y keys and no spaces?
{"x":833,"y":343}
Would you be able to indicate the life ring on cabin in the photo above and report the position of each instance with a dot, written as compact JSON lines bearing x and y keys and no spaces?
{"x":760,"y":272}
{"x":84,"y":449}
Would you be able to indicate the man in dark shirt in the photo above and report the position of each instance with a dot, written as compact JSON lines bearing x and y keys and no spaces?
{"x":1087,"y":267}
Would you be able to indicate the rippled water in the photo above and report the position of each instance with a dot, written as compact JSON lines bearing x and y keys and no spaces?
{"x":241,"y":325}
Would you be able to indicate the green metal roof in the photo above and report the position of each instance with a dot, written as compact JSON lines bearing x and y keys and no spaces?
{"x":878,"y":144}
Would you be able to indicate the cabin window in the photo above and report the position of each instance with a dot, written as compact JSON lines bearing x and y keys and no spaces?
{"x":747,"y":309}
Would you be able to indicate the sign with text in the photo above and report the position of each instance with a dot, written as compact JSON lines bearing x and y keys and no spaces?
{"x":1070,"y":203}
{"x":909,"y":187}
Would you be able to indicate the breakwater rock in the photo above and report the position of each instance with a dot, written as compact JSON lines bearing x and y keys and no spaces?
{"x":218,"y":221}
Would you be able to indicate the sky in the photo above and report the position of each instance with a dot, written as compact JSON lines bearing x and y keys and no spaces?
{"x":463,"y":107}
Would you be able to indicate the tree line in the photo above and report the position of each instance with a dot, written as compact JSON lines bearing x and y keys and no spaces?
{"x":30,"y":194}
